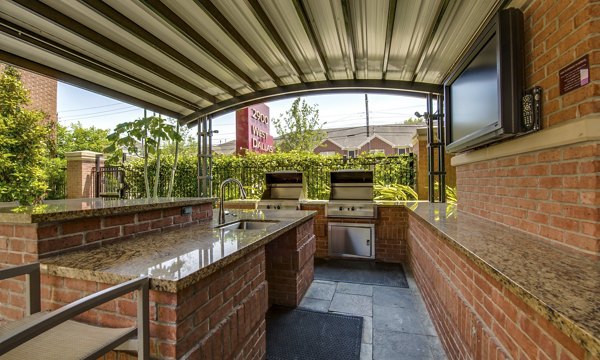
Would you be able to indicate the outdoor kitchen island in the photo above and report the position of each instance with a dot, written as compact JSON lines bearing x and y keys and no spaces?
{"x":210,"y":286}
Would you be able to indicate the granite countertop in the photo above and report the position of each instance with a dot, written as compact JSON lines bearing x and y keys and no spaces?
{"x":176,"y":259}
{"x":60,"y":210}
{"x":560,"y":284}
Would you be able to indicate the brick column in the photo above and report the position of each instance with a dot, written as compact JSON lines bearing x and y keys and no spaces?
{"x":290,"y":266}
{"x":80,"y":174}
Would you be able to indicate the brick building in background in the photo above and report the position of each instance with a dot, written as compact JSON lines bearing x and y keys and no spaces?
{"x":42,"y":92}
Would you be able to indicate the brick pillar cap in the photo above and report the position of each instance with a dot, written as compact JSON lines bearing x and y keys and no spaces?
{"x":81,"y":155}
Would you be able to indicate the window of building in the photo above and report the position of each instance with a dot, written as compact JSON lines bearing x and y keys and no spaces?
{"x":327,"y":153}
{"x":351,"y":153}
{"x":402,"y":151}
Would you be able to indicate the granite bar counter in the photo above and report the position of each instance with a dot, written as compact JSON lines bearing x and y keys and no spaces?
{"x":522,"y":292}
{"x":30,"y":233}
{"x":72,"y":209}
{"x":177,"y":259}
{"x":210,"y":287}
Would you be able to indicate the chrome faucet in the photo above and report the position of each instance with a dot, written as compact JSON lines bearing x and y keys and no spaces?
{"x":222,"y":197}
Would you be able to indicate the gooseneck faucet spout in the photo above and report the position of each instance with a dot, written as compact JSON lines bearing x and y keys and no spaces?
{"x":222,"y":197}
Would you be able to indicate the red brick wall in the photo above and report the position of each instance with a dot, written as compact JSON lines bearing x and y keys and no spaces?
{"x":476,"y":316}
{"x":551,"y":193}
{"x":42,"y":91}
{"x":556,"y":34}
{"x":320,"y":229}
{"x":216,"y":318}
{"x":376,"y":144}
{"x":290,"y":270}
{"x":328,"y":146}
{"x":390,"y":231}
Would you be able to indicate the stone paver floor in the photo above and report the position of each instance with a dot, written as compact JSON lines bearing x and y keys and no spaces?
{"x":396,"y":324}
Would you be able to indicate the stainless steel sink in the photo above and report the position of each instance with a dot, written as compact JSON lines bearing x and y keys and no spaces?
{"x":248,"y":225}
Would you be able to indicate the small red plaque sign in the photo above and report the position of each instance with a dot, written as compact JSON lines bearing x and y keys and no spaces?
{"x":575,"y":75}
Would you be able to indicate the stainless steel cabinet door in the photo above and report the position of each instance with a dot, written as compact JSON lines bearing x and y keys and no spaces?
{"x":351,"y":240}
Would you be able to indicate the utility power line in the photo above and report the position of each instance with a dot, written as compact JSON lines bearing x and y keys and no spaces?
{"x":94,"y":107}
{"x":96,"y":115}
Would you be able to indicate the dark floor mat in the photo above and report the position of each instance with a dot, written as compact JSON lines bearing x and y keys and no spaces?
{"x":360,"y":272}
{"x":295,"y":334}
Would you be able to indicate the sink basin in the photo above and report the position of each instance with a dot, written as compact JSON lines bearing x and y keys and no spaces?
{"x":248,"y":225}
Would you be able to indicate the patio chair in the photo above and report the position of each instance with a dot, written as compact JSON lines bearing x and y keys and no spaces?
{"x":54,"y":335}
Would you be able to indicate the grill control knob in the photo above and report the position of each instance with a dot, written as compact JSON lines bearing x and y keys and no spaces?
{"x":353,"y":208}
{"x":278,"y":206}
{"x":341,"y":208}
{"x":268,"y":207}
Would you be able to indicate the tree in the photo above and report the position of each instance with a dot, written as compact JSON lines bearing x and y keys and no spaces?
{"x":412,"y":121}
{"x":23,"y":143}
{"x":78,"y":138}
{"x":150,"y":132}
{"x":300,"y":128}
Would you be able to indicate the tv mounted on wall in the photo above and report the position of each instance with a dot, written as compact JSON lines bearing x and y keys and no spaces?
{"x":483,"y":91}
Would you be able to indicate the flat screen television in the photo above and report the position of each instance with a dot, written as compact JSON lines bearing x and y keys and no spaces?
{"x":483,"y":92}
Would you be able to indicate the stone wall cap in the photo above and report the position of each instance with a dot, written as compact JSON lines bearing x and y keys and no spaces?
{"x":81,"y":155}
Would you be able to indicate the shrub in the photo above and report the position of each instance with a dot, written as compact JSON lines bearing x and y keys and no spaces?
{"x":23,"y":143}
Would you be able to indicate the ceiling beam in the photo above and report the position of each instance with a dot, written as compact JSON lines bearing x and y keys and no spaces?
{"x":34,"y":39}
{"x":198,"y":40}
{"x":142,"y":34}
{"x":82,"y":83}
{"x":388,"y":35}
{"x":107,"y":44}
{"x":310,"y":32}
{"x":349,"y":35}
{"x":405,"y":88}
{"x":211,"y":10}
{"x":262,"y":17}
{"x":429,"y":40}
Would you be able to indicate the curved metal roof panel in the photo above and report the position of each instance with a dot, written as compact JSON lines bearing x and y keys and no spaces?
{"x":194,"y":58}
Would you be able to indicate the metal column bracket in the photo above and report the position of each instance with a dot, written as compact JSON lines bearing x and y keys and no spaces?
{"x":205,"y":157}
{"x":435,"y":140}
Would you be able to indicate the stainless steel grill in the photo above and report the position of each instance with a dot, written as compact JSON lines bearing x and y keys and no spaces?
{"x":351,"y":194}
{"x":284,"y":190}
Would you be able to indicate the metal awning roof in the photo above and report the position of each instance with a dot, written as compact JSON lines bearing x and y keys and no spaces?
{"x":193,"y":58}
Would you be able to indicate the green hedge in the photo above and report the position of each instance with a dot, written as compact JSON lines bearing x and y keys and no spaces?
{"x":251,"y":169}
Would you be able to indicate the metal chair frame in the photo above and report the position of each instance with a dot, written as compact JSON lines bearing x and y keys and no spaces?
{"x":32,"y":329}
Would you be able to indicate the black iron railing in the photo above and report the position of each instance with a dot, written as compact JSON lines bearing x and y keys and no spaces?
{"x":386,"y":170}
{"x":110,"y":182}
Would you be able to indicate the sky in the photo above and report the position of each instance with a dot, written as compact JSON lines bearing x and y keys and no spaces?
{"x":335,"y":110}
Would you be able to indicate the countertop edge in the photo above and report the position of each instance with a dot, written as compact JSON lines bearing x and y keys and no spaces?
{"x":566,"y":325}
{"x":29,"y":218}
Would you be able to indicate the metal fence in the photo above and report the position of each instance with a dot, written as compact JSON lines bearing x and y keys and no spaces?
{"x":386,"y":170}
{"x":184,"y":185}
{"x":110,"y":182}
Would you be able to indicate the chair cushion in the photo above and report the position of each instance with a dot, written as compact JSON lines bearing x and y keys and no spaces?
{"x":69,"y":340}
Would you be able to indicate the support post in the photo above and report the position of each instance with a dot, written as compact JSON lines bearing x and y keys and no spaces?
{"x":81,"y":178}
{"x":204,"y":157}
